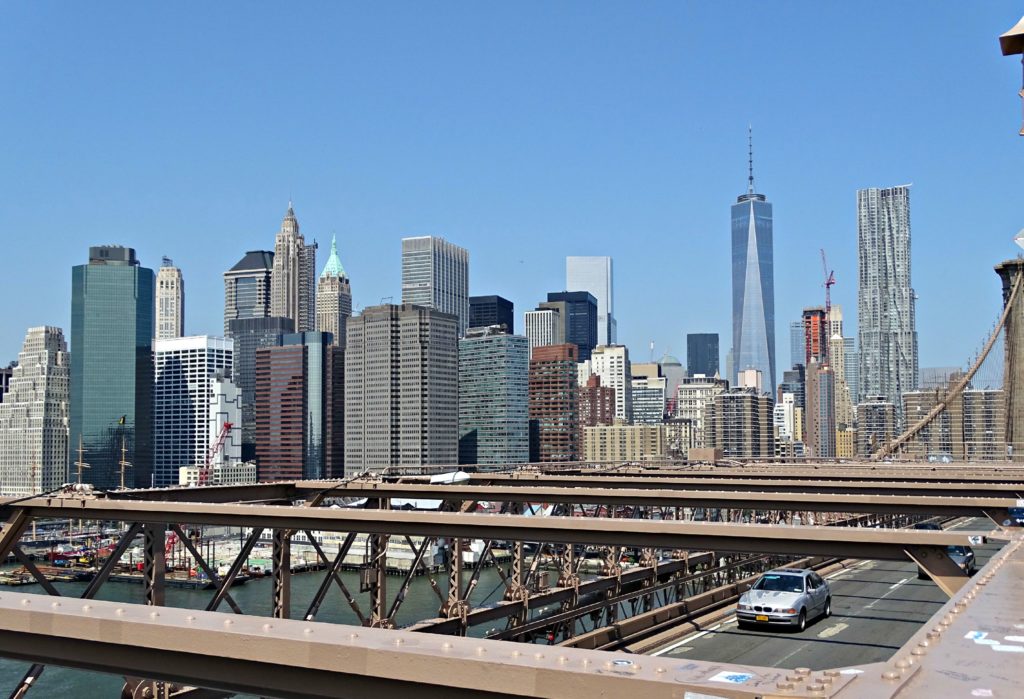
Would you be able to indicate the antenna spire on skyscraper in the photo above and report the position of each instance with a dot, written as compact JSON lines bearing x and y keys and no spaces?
{"x":750,"y":158}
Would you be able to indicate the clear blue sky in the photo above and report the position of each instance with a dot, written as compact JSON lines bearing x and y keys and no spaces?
{"x":523,"y":131}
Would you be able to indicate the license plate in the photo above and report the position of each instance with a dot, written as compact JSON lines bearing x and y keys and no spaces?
{"x":761,"y":617}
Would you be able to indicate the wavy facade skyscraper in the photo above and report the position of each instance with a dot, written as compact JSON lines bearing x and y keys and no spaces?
{"x":886,"y":320}
{"x":753,"y":286}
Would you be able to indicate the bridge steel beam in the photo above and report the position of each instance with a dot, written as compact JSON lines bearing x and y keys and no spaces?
{"x":699,"y":536}
{"x":804,"y":502}
{"x":293,"y":658}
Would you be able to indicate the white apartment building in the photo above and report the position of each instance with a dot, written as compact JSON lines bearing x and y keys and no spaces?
{"x":544,"y":327}
{"x":692,"y":399}
{"x":192,"y":399}
{"x":611,"y":363}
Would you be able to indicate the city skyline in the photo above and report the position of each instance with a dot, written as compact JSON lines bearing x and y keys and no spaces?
{"x":679,"y":207}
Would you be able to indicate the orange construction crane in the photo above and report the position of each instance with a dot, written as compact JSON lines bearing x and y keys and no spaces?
{"x":830,"y":281}
{"x":211,"y":453}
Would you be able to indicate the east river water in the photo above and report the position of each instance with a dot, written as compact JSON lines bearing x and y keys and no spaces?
{"x":254,"y":598}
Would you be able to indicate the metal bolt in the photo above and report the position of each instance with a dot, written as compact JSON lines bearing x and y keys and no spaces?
{"x":26,"y":601}
{"x":784,"y":686}
{"x":803,"y":671}
{"x":890,"y":675}
{"x":268,"y":627}
{"x":228,"y":622}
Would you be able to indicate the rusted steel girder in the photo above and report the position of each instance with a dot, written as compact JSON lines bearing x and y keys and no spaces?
{"x":700,"y":536}
{"x":595,"y":495}
{"x":298,"y":658}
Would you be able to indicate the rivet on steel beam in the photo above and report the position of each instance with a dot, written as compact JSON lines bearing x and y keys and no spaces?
{"x":903,"y":663}
{"x":659,"y":670}
{"x":228,"y":622}
{"x":562,"y":659}
{"x":119,"y":611}
{"x":803,"y":671}
{"x":55,"y":604}
{"x":154,"y":615}
{"x":515,"y":653}
{"x":890,"y":675}
{"x":794,"y":678}
{"x":26,"y":601}
{"x":816,"y":688}
{"x":86,"y":607}
{"x":190,"y":618}
{"x":784,"y":686}
{"x":268,"y":627}
{"x":918,"y":651}
{"x":831,"y":673}
{"x":307,"y":631}
{"x":353,"y":636}
{"x":538,"y":656}
{"x":399,"y":641}
{"x":480,"y":650}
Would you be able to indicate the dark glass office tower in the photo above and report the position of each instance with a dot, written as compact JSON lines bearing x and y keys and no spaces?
{"x":580,"y":319}
{"x":753,"y":286}
{"x":251,"y":334}
{"x":112,"y":308}
{"x":485,"y":311}
{"x":702,"y":354}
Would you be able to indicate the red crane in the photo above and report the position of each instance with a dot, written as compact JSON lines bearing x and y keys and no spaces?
{"x":204,"y":472}
{"x":830,"y":281}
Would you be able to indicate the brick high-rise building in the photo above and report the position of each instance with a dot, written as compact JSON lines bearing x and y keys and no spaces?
{"x":554,"y":410}
{"x":740,"y":423}
{"x":296,"y":424}
{"x":596,"y":404}
{"x":249,"y":335}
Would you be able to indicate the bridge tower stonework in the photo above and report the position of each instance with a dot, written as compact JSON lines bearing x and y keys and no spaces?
{"x":1013,"y":368}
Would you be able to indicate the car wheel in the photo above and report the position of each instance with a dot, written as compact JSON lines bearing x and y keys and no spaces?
{"x":801,"y":622}
{"x":828,"y":607}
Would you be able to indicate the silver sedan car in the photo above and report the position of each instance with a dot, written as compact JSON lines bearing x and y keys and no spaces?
{"x":785,"y":597}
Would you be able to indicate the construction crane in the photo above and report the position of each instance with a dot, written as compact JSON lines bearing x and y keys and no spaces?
{"x":830,"y":281}
{"x":211,"y":453}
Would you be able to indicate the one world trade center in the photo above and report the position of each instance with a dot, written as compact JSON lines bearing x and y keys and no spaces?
{"x":753,"y":286}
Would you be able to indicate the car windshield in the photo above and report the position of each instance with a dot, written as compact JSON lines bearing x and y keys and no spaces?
{"x":956,"y":550}
{"x":780,"y":583}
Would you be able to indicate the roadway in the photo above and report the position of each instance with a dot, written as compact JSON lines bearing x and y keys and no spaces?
{"x":876,"y":607}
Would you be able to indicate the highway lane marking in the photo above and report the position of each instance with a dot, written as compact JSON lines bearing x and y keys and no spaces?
{"x":833,"y":630}
{"x":892,"y":589}
{"x":686,"y":640}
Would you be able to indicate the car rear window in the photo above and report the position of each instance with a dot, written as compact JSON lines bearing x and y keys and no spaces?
{"x":780,"y":583}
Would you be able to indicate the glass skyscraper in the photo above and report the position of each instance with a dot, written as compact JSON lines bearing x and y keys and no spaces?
{"x":702,"y":353}
{"x":753,"y":287}
{"x":493,"y":398}
{"x":580,"y":318}
{"x":112,"y":307}
{"x":594,"y":274}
